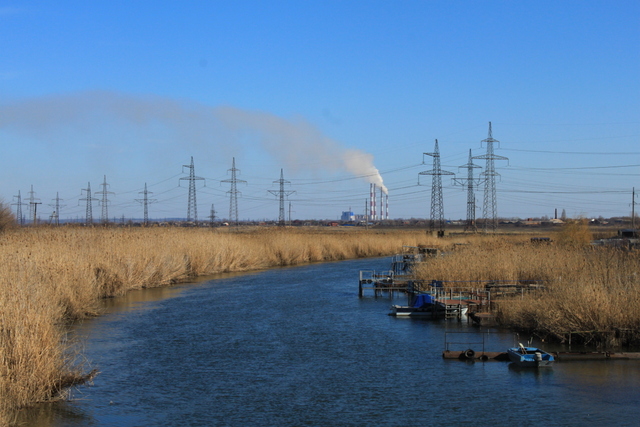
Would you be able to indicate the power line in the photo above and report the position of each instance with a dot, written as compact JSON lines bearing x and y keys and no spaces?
{"x":490,"y":205}
{"x":233,"y":193}
{"x":281,"y":194}
{"x":470,"y":182}
{"x":19,"y":205}
{"x":55,"y":216}
{"x":104,"y":202}
{"x":192,"y":206}
{"x":89,"y":207}
{"x":437,"y":205}
{"x":145,"y":203}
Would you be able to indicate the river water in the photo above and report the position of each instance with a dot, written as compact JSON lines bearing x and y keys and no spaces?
{"x":297,"y":347}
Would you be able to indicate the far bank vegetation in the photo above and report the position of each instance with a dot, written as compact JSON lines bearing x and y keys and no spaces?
{"x":592,"y":293}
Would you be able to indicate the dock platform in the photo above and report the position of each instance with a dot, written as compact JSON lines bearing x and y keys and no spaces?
{"x":560,"y":356}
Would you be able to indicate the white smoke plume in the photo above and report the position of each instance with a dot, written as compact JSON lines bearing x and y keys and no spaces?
{"x":296,"y":143}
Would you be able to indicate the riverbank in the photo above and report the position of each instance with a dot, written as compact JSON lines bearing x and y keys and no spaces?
{"x":54,"y":275}
{"x":591,"y":294}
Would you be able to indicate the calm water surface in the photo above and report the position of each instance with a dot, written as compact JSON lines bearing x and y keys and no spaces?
{"x":297,"y":347}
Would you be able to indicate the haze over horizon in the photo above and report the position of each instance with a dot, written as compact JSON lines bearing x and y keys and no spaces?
{"x":336,"y":94}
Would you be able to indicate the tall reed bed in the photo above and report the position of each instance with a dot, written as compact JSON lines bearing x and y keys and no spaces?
{"x":52,"y":275}
{"x":593,"y":293}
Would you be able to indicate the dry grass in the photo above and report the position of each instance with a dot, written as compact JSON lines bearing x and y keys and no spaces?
{"x":592,"y":292}
{"x":52,"y":275}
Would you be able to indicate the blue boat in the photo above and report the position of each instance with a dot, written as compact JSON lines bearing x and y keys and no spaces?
{"x":423,"y":305}
{"x":530,"y":357}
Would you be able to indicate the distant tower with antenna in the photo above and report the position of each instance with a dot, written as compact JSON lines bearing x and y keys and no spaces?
{"x":490,"y":205}
{"x":104,"y":201}
{"x":437,"y":206}
{"x":145,"y":203}
{"x":233,"y":193}
{"x":470,"y":182}
{"x":281,"y":194}
{"x":192,"y":206}
{"x":89,"y":208}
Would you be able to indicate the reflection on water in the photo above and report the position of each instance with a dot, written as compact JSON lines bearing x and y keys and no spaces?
{"x":296,"y":346}
{"x":137,"y":299}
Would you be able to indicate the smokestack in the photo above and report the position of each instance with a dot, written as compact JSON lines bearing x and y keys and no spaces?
{"x":387,"y":202}
{"x":374,"y":203}
{"x":371,"y":201}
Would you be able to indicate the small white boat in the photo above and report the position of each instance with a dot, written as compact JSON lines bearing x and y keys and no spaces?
{"x":530,"y":357}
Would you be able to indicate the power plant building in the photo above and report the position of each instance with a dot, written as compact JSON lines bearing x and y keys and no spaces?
{"x":348,"y":216}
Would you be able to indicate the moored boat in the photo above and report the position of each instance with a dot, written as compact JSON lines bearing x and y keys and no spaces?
{"x":423,"y":305}
{"x":530,"y":357}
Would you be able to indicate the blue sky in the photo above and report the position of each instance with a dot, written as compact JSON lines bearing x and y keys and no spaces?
{"x":328,"y":91}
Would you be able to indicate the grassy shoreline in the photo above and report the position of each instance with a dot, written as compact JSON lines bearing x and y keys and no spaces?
{"x":54,"y":275}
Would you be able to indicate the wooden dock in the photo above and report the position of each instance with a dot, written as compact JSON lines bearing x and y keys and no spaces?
{"x":561,"y":356}
{"x":470,"y":354}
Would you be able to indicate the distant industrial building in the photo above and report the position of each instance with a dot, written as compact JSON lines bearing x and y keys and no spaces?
{"x":348,"y":216}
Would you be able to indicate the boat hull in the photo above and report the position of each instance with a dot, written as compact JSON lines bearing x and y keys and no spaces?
{"x":530,"y":357}
{"x":405,"y":311}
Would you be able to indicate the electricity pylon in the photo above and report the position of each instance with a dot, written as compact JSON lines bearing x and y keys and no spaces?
{"x":192,"y":206}
{"x":145,"y":203}
{"x":55,"y":216}
{"x":89,"y":209}
{"x":212,"y":216}
{"x":33,"y":204}
{"x":469,"y":182}
{"x":104,"y":201}
{"x":437,"y":207}
{"x":490,"y":205}
{"x":281,"y":194}
{"x":233,"y":193}
{"x":19,"y":205}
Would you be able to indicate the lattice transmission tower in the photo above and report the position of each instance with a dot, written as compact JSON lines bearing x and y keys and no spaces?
{"x":490,"y":205}
{"x":281,"y":194}
{"x":192,"y":206}
{"x":470,"y":182}
{"x":233,"y":193}
{"x":89,"y":200}
{"x":18,"y":204}
{"x":212,"y":216}
{"x":55,"y":215}
{"x":145,"y":203}
{"x":104,"y":201}
{"x":33,"y":205}
{"x":437,"y":206}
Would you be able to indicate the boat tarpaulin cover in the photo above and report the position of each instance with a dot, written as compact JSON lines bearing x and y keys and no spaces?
{"x":421,"y":300}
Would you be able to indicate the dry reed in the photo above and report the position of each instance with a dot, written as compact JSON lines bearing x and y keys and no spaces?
{"x":590,"y":292}
{"x":52,"y":275}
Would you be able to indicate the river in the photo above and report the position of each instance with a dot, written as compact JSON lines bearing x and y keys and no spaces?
{"x":296,"y":346}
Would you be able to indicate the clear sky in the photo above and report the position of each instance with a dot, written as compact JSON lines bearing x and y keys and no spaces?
{"x":327,"y":91}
